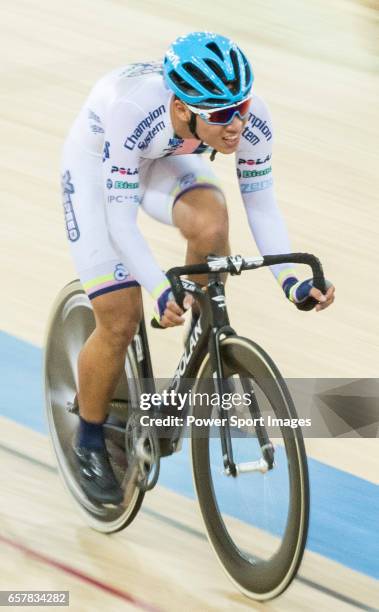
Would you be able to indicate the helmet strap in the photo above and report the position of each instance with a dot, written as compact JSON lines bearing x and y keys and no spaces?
{"x":192,"y":126}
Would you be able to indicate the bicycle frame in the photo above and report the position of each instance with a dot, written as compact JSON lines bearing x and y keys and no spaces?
{"x":205,"y":338}
{"x":214,"y":323}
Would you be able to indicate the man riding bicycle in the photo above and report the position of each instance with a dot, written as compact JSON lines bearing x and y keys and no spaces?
{"x":139,"y":141}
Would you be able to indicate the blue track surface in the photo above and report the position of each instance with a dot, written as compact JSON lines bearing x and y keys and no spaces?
{"x":345,"y":509}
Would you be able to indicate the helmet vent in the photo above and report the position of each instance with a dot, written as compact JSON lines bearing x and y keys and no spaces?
{"x":216,"y":49}
{"x":247,"y":68}
{"x":234,"y":58}
{"x":202,"y":78}
{"x":182,"y":84}
{"x":216,"y":69}
{"x":212,"y":102}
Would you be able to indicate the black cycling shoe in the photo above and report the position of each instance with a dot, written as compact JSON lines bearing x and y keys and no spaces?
{"x":97,"y":477}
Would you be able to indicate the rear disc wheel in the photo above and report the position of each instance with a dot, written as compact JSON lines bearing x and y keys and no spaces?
{"x":71,"y":323}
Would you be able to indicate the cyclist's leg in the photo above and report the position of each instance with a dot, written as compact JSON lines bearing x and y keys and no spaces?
{"x":202,"y":218}
{"x":183,"y":191}
{"x":102,"y":358}
{"x":116,"y":300}
{"x":115,"y":295}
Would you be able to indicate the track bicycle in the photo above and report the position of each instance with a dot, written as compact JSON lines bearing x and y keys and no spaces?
{"x":251,"y":481}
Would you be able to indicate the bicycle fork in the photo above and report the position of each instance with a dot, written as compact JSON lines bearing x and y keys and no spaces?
{"x":221,"y":327}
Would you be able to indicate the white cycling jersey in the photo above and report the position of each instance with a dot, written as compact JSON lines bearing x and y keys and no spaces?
{"x":122,"y":153}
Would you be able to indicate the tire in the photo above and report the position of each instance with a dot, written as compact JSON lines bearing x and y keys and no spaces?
{"x":259,"y":577}
{"x":71,"y":323}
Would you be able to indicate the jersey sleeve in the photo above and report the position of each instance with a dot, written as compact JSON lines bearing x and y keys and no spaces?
{"x":123,"y":197}
{"x":254,"y":171}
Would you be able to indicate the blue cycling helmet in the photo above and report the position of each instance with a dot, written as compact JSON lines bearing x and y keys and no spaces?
{"x":207,"y":69}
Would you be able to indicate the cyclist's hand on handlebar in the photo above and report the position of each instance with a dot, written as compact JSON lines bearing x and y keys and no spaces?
{"x":170,"y":313}
{"x":323,"y":300}
{"x":301,"y":293}
{"x":173,"y":314}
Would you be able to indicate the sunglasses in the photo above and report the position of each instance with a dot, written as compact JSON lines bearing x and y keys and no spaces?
{"x":225,"y":115}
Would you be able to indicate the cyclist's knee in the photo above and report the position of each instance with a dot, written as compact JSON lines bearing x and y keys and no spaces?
{"x":202,"y":216}
{"x":117,"y":317}
{"x":118,"y":334}
{"x":211,"y":227}
{"x":214,"y":233}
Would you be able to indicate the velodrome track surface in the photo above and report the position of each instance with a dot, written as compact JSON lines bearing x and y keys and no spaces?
{"x":315,"y":64}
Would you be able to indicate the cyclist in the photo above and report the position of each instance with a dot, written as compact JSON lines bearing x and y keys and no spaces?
{"x":138,"y":142}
